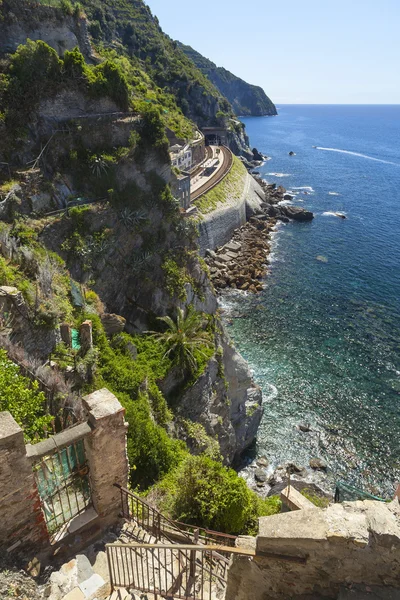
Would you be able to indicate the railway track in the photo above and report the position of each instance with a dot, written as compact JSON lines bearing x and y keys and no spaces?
{"x":219,"y":176}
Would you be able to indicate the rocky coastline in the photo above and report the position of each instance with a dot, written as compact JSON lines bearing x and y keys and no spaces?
{"x":242,"y":263}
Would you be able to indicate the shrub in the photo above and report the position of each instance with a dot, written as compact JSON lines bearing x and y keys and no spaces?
{"x":35,"y":68}
{"x":22,"y":399}
{"x":202,"y":491}
{"x":66,"y":7}
{"x":109,"y":80}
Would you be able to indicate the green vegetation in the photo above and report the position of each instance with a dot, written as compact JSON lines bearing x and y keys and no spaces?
{"x":232,"y":186}
{"x":36,"y":72}
{"x":203,"y":491}
{"x":41,"y":277}
{"x":151,"y":452}
{"x":175,"y":278}
{"x":184,"y":339}
{"x":23,"y":400}
{"x":312,"y":496}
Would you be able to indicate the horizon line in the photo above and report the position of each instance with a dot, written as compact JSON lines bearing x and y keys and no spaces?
{"x":337,"y":103}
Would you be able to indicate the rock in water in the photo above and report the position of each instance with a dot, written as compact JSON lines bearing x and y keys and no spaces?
{"x":257,"y":155}
{"x":296,"y":213}
{"x":318,"y":464}
{"x":260,"y":475}
{"x":304,"y":428}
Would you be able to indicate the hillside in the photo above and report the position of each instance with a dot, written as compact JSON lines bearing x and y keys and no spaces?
{"x":129,"y":27}
{"x":91,"y":236}
{"x":246,"y":99}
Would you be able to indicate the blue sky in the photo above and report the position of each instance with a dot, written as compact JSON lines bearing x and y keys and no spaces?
{"x":299,"y":51}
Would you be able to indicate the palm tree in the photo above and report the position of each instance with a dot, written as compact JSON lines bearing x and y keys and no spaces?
{"x":182,"y":337}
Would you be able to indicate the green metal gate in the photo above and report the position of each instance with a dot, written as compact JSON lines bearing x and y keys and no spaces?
{"x":62,"y":479}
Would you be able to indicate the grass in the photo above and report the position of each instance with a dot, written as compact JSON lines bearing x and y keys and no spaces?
{"x":232,"y":186}
{"x":320,"y":501}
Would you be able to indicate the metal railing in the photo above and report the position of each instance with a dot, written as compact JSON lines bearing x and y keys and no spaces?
{"x":346,"y":492}
{"x":154,"y":522}
{"x":170,"y":571}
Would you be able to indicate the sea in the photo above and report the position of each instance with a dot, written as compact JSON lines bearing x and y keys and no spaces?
{"x":323,"y":337}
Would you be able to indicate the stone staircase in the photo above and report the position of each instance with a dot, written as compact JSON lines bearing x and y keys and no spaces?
{"x":86,"y":577}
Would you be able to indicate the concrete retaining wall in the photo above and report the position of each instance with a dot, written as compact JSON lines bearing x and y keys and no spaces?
{"x":216,"y":228}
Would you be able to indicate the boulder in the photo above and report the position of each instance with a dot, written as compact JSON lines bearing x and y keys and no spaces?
{"x":318,"y":464}
{"x":260,"y":475}
{"x":296,"y":213}
{"x":304,"y":428}
{"x":113,"y":323}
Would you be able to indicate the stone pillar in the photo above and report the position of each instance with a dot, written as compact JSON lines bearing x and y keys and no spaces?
{"x":66,"y":334}
{"x":86,"y":336}
{"x":106,"y":452}
{"x":22,"y":522}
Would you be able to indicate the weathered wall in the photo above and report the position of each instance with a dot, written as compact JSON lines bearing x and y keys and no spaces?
{"x":22,"y":523}
{"x":216,"y":228}
{"x":349,"y":543}
{"x":21,"y":520}
{"x":106,"y":452}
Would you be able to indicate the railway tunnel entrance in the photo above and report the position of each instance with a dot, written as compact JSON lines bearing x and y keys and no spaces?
{"x":215,"y":136}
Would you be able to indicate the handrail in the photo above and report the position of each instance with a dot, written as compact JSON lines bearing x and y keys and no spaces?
{"x":181,"y":529}
{"x":155,"y":526}
{"x":352,"y":489}
{"x":201,"y":547}
{"x":169,"y":570}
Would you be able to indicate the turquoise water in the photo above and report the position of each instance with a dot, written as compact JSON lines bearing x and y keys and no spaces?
{"x":323,"y":338}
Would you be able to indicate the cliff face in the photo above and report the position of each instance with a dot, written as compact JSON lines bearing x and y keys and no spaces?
{"x":22,"y":19}
{"x":246,"y":99}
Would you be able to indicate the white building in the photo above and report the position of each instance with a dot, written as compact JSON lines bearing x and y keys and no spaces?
{"x":181,"y":157}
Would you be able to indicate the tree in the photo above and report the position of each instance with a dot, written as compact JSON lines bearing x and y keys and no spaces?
{"x":183,"y":337}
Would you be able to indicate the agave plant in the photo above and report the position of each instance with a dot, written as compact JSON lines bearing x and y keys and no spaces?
{"x":182,"y":337}
{"x":98,"y":166}
{"x":132,"y":218}
{"x":141,"y":261}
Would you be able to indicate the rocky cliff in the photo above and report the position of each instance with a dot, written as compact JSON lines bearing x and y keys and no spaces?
{"x":246,"y":99}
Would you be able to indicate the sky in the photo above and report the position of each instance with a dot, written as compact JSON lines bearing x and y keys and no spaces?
{"x":299,"y":51}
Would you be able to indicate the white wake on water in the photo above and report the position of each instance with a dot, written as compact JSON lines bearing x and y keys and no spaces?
{"x":279,"y":174}
{"x":306,"y":188}
{"x":330,"y":213}
{"x":387,"y":162}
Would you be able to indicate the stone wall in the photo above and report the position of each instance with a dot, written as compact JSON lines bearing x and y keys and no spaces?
{"x":216,"y":228}
{"x":318,"y":553}
{"x":22,"y":523}
{"x":21,"y":519}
